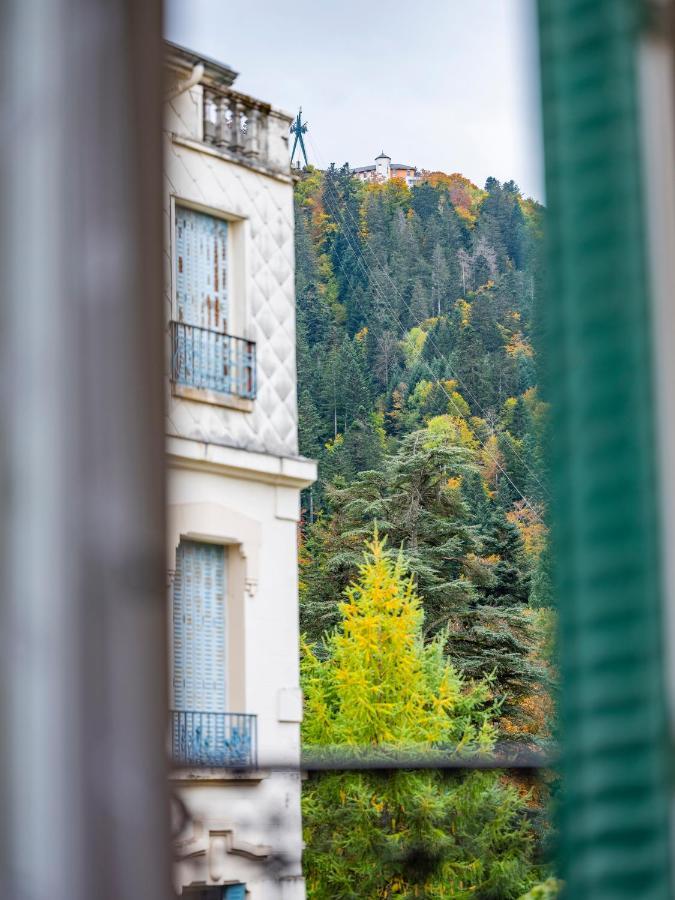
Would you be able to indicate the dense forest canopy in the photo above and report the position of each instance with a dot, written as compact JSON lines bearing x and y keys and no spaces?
{"x":418,"y":396}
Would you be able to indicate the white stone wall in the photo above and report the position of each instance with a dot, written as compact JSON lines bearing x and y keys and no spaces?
{"x":260,"y":209}
{"x":248,"y":830}
{"x":234,"y":479}
{"x":183,"y":114}
{"x":244,"y":832}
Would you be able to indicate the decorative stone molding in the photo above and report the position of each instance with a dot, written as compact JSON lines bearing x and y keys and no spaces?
{"x":214,"y":845}
{"x":186,"y":453}
{"x":216,"y":523}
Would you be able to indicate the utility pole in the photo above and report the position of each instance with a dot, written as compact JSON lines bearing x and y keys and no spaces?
{"x":298,"y":128}
{"x":83,"y":808}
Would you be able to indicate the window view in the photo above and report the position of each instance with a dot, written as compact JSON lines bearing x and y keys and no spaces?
{"x":426,"y":628}
{"x":338,"y":430}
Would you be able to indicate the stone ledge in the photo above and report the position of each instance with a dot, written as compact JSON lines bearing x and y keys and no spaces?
{"x":217,"y":776}
{"x":213,"y":398}
{"x":188,"y":453}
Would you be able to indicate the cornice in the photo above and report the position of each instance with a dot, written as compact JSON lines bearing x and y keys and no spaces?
{"x":285,"y":471}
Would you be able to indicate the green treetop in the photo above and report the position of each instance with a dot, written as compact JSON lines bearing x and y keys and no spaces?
{"x":377,"y":687}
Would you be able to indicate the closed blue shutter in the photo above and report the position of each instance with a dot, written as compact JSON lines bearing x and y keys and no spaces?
{"x":199,"y":628}
{"x":201,"y":356}
{"x":201,"y":270}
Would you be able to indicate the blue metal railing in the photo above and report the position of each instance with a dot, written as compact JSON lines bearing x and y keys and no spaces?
{"x":211,"y":360}
{"x":226,"y":740}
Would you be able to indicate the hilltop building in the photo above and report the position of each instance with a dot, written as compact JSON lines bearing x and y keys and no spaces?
{"x":234,"y":481}
{"x":384,"y":169}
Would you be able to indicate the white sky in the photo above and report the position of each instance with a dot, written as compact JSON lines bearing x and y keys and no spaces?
{"x":441,"y":84}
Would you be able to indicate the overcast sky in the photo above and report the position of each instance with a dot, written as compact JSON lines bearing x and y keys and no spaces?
{"x":441,"y":84}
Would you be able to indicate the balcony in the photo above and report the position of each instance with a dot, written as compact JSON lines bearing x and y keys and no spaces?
{"x":204,"y":360}
{"x":225,"y":122}
{"x":246,"y":129}
{"x":214,"y":739}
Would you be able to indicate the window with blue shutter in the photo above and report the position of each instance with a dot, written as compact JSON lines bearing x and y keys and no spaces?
{"x":201,"y":270}
{"x":205,"y":354}
{"x":199,"y":629}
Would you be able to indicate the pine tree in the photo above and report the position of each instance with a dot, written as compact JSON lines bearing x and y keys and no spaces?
{"x":425,"y":201}
{"x":542,"y":586}
{"x":377,"y":687}
{"x":439,"y":281}
{"x":502,"y":540}
{"x":420,"y":303}
{"x":513,"y":479}
{"x":416,"y":499}
{"x":386,"y":357}
{"x":513,"y":228}
{"x":367,"y":255}
{"x":442,"y":337}
{"x":341,"y":201}
{"x":362,"y":446}
{"x":309,"y":425}
{"x":313,"y":309}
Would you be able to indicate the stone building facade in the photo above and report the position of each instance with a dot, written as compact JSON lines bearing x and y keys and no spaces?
{"x":234,"y":478}
{"x":383,"y":169}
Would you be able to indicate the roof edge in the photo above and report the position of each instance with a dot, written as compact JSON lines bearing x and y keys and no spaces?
{"x":216,"y":74}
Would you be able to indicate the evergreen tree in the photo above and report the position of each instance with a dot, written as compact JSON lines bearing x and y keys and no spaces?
{"x":377,"y":687}
{"x":413,"y":500}
{"x":513,"y":478}
{"x":542,"y":587}
{"x":314,"y":313}
{"x":425,"y":200}
{"x":439,"y":281}
{"x":362,"y":446}
{"x":420,"y":303}
{"x":503,"y":542}
{"x":442,"y":337}
{"x":309,"y":426}
{"x":416,"y":500}
{"x":513,"y":228}
{"x":341,"y":201}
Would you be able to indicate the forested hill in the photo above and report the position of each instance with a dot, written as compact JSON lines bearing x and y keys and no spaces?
{"x":418,"y":396}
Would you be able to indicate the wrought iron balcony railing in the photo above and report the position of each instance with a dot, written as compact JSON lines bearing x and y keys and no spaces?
{"x":210,"y":360}
{"x":214,"y":739}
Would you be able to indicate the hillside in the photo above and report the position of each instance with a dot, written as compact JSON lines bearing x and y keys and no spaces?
{"x":418,"y":395}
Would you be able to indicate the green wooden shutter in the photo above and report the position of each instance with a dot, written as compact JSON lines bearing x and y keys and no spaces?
{"x":614,"y":834}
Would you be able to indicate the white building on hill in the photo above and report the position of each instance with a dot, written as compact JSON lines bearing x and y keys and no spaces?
{"x":384,"y":169}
